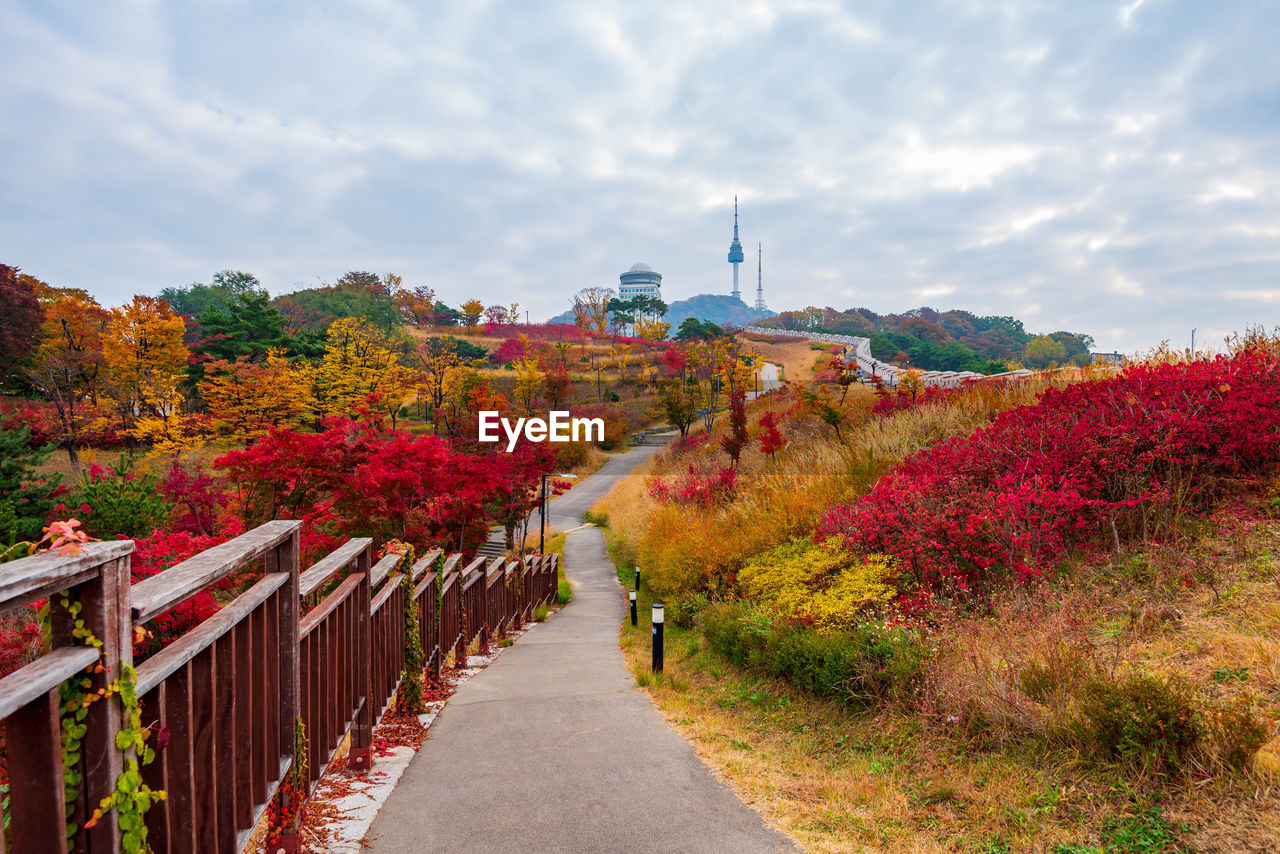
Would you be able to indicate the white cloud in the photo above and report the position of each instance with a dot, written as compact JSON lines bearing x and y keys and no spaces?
{"x":1021,"y":155}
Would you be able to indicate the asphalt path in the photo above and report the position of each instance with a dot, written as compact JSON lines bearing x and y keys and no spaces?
{"x":554,"y":748}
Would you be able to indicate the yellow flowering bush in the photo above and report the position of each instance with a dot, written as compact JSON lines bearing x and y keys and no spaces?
{"x":820,"y":582}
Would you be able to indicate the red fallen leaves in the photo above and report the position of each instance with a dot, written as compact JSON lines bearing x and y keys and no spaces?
{"x":1094,"y":463}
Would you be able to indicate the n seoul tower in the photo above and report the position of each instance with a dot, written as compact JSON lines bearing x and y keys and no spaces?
{"x":735,"y":251}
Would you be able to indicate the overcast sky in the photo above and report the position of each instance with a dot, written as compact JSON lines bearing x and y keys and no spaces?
{"x":1101,"y":167}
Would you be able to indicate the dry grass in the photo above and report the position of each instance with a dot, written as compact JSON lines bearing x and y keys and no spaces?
{"x":840,"y":782}
{"x":917,"y":780}
{"x":797,"y":358}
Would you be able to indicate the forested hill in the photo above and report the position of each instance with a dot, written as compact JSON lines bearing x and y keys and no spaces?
{"x":720,"y":309}
{"x":955,"y":340}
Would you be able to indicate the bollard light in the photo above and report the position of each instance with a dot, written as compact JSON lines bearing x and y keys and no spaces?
{"x":634,"y":617}
{"x":637,"y":578}
{"x":657,"y":637}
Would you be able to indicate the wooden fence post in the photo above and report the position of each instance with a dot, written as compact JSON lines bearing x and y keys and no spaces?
{"x":285,"y":558}
{"x":105,"y":611}
{"x":360,"y":756}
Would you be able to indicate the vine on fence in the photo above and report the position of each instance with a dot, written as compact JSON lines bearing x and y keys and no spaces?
{"x":288,"y":809}
{"x":409,"y":697}
{"x":131,"y":798}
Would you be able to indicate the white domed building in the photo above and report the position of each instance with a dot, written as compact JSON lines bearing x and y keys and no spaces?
{"x":640,"y":281}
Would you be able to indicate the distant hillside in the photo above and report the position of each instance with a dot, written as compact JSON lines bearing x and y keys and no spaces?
{"x":955,"y":340}
{"x":720,"y":309}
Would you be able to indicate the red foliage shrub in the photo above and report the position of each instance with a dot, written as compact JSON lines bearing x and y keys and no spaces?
{"x":510,"y":350}
{"x":736,"y":439}
{"x":195,"y":495}
{"x":771,"y":438}
{"x":157,"y":553}
{"x":21,"y":640}
{"x":705,"y":486}
{"x":685,"y":444}
{"x":1093,"y":463}
{"x":887,"y":404}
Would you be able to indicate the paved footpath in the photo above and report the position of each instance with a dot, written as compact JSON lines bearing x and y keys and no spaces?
{"x":554,"y":748}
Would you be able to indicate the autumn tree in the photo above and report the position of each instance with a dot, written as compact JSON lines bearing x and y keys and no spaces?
{"x":591,"y":308}
{"x":67,"y":363}
{"x":22,"y":318}
{"x":557,"y":385}
{"x":145,"y":360}
{"x":1043,"y":351}
{"x":417,"y":306}
{"x":246,"y":398}
{"x":911,"y":382}
{"x":435,"y":356}
{"x":528,"y":380}
{"x":652,"y":330}
{"x":679,"y":407}
{"x":736,"y":439}
{"x":358,"y":360}
{"x":496,"y":314}
{"x":471,"y":311}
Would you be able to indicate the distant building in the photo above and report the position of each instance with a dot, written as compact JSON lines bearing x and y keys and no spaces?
{"x":640,"y":281}
{"x":1108,"y":358}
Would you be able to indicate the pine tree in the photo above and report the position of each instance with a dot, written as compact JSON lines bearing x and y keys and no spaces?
{"x":25,"y":497}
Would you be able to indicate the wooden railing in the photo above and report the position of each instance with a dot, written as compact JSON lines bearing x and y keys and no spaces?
{"x":325,"y":647}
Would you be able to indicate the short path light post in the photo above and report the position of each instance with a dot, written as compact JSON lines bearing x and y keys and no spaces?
{"x":657,"y":637}
{"x":634,"y":616}
{"x":542,"y":512}
{"x":637,"y":578}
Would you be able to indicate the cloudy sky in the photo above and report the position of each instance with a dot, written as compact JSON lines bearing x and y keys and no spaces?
{"x":1104,"y":167}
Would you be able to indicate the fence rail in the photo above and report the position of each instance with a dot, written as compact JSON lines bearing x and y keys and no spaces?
{"x":324,"y":646}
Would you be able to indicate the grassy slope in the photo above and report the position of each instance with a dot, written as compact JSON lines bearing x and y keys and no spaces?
{"x":908,"y":780}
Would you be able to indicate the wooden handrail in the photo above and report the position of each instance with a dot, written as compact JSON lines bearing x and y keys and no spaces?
{"x":42,"y":676}
{"x":157,"y":594}
{"x":166,"y":662}
{"x":231,"y":690}
{"x":35,"y":577}
{"x":319,"y":572}
{"x":382,"y":569}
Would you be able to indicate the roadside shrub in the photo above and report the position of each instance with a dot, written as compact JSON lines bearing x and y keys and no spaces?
{"x":684,"y":610}
{"x":1145,"y":722}
{"x":820,"y":583}
{"x":1094,"y":463}
{"x":872,"y":664}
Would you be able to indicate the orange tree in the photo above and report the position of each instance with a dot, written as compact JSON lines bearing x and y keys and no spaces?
{"x":145,"y":360}
{"x":67,"y":365}
{"x":245,"y":398}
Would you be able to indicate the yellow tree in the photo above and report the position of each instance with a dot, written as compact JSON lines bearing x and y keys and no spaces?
{"x":244,"y":399}
{"x":652,"y":329}
{"x":394,"y":387}
{"x":436,"y":356}
{"x":528,"y":380}
{"x":911,"y":382}
{"x":357,"y":360}
{"x":471,"y":311}
{"x":145,"y":360}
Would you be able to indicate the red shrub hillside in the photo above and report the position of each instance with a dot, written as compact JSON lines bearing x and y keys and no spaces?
{"x":1091,"y":464}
